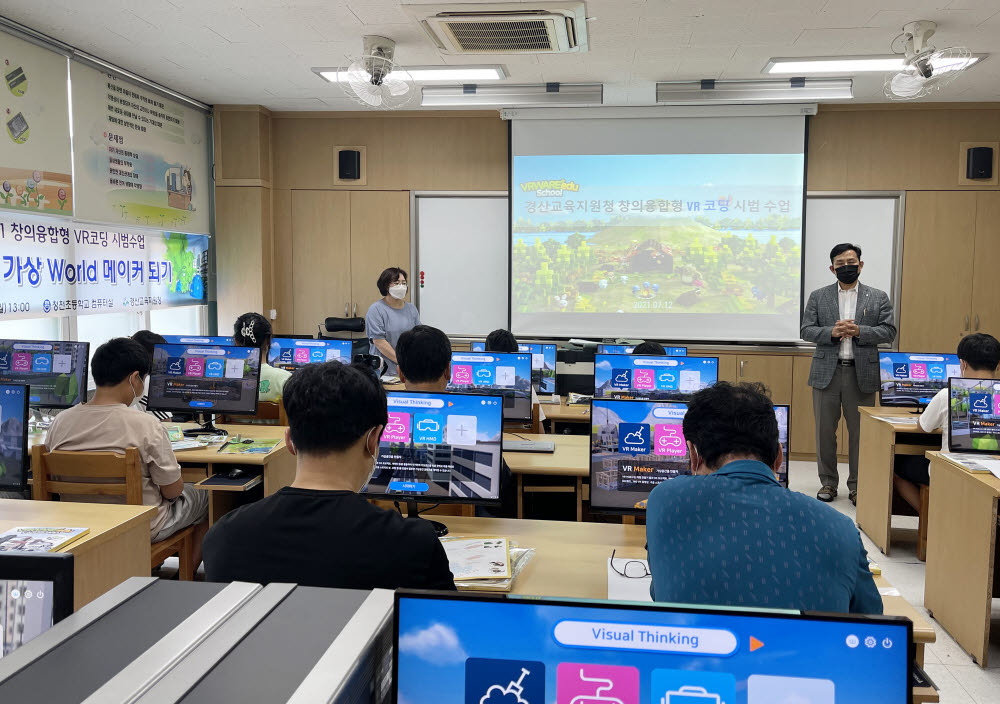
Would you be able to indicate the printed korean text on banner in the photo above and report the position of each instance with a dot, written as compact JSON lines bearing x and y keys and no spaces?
{"x":140,"y":159}
{"x":35,"y":173}
{"x":53,"y":266}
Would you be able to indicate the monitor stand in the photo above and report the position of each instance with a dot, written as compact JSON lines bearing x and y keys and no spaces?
{"x":412,"y":512}
{"x":207,"y":427}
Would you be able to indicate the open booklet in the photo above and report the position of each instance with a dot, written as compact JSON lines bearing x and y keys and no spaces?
{"x":39,"y":539}
{"x":478,"y":558}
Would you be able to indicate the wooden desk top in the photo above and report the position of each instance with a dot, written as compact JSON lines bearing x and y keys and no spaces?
{"x":986,"y":478}
{"x":104,"y":520}
{"x":571,"y":458}
{"x":210,"y":455}
{"x":571,"y":559}
{"x":564,"y":412}
{"x":879,"y":412}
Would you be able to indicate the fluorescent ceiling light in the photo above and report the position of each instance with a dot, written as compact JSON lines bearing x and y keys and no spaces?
{"x":425,"y":74}
{"x":800,"y":66}
{"x":505,"y":95}
{"x":779,"y":90}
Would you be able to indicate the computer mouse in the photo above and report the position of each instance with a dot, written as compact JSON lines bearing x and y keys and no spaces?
{"x":236,"y":473}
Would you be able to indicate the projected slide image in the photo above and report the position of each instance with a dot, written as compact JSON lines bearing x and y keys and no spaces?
{"x":657,"y":233}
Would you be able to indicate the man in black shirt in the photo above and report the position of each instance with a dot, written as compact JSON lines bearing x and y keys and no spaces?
{"x":319,"y":532}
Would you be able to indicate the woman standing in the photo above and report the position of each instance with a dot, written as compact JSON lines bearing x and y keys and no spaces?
{"x":390,"y":316}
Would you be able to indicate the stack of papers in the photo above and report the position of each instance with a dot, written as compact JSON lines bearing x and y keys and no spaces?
{"x":256,"y":447}
{"x":39,"y":539}
{"x":898,"y":420}
{"x":485,"y":564}
{"x":976,"y":463}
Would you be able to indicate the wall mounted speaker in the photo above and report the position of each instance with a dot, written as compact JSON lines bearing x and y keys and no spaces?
{"x":979,"y":163}
{"x":349,"y":164}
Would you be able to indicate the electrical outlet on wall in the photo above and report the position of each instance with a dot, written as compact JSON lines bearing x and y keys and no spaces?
{"x":273,"y":313}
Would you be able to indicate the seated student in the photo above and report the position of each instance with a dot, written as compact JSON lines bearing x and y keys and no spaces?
{"x":423,"y":359}
{"x":319,"y":532}
{"x":653,"y":349}
{"x":501,"y":341}
{"x":149,"y":339}
{"x":254,"y":330}
{"x":107,"y":424}
{"x":978,"y":358}
{"x":732,"y":536}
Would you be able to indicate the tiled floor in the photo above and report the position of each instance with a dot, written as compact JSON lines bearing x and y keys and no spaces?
{"x":959,"y":680}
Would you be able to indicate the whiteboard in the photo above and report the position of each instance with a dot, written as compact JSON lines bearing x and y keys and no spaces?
{"x":872,"y":222}
{"x":460,"y":247}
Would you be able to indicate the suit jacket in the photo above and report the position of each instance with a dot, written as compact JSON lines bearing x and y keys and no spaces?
{"x":873,"y":315}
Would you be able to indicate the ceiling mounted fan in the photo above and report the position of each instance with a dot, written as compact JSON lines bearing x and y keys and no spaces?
{"x":374,"y":79}
{"x":926,"y":68}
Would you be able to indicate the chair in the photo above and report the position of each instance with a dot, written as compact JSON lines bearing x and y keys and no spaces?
{"x":107,"y":467}
{"x":266,"y":411}
{"x":925,"y":497}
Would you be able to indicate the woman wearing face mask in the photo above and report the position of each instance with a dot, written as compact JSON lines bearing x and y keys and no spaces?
{"x":390,"y":316}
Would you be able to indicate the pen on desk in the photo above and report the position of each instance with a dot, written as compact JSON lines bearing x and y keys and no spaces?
{"x":222,"y":447}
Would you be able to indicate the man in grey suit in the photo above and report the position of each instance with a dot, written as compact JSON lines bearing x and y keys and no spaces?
{"x":847,"y":321}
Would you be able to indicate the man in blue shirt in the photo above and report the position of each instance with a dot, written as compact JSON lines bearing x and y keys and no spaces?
{"x":730,"y":535}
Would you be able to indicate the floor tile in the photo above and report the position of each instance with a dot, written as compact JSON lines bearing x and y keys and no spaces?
{"x":949,"y":688}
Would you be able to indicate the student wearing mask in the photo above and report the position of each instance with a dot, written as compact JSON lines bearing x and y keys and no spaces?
{"x":423,"y":356}
{"x":106,"y":423}
{"x":319,"y":531}
{"x":978,"y":358}
{"x":726,"y":535}
{"x":149,"y":339}
{"x":390,"y":316}
{"x":652,"y":349}
{"x":847,"y":321}
{"x":254,"y":330}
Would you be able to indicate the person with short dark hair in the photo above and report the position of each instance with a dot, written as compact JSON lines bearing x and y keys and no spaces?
{"x":254,"y":330}
{"x":423,"y":356}
{"x":501,"y":340}
{"x":319,"y":531}
{"x":149,"y":339}
{"x":654,"y":349}
{"x":978,"y":358}
{"x":847,"y":321}
{"x":390,"y":316}
{"x":106,"y":423}
{"x":723,"y":535}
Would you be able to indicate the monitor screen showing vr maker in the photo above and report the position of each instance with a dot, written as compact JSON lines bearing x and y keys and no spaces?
{"x":205,"y":379}
{"x":692,"y":225}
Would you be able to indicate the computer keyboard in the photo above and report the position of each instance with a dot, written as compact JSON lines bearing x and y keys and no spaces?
{"x":529,"y":446}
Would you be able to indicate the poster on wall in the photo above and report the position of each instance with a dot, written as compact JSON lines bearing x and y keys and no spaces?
{"x":35,"y":162}
{"x":140,"y":159}
{"x":54,"y":266}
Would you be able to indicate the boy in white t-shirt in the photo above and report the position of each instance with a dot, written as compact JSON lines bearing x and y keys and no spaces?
{"x":979,"y":357}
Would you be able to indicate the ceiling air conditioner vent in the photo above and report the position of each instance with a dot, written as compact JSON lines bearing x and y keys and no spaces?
{"x":535,"y":28}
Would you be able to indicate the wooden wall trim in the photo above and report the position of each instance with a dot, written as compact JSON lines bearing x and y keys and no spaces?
{"x":869,"y":107}
{"x":373,"y":115}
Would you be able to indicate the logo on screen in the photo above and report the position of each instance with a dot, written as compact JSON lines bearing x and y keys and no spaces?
{"x":428,"y":429}
{"x":482,"y":375}
{"x":901,"y":370}
{"x":980,"y":403}
{"x":586,"y":683}
{"x":918,"y":372}
{"x":215,"y":368}
{"x":936,"y":371}
{"x":175,"y":366}
{"x":301,"y":355}
{"x":398,"y":428}
{"x":670,"y":440}
{"x":41,"y":363}
{"x":317,"y":355}
{"x":505,"y":376}
{"x":621,"y":378}
{"x":633,"y":438}
{"x":285,"y":356}
{"x":504,"y":681}
{"x":667,"y":379}
{"x":4,"y":361}
{"x":689,"y":686}
{"x":643,"y":379}
{"x":461,"y":374}
{"x":22,"y":361}
{"x":62,"y":363}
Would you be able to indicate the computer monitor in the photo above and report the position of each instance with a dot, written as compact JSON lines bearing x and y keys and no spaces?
{"x":636,"y":445}
{"x":198,"y":339}
{"x":56,"y":372}
{"x":13,"y":437}
{"x":488,"y":372}
{"x":629,"y":349}
{"x":205,"y":379}
{"x":292,"y":353}
{"x":500,"y":649}
{"x":652,"y":378}
{"x":543,"y":366}
{"x":36,"y":592}
{"x":477,"y":347}
{"x":440,"y":448}
{"x":911,"y":379}
{"x":974,"y":415}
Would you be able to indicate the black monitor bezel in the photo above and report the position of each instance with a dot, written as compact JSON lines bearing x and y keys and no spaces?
{"x":55,"y":567}
{"x":325,"y":340}
{"x":700,"y":610}
{"x":25,"y":457}
{"x":918,"y":405}
{"x":536,"y":380}
{"x":84,"y":374}
{"x":653,"y":356}
{"x":403,"y":498}
{"x":493,"y":392}
{"x":152,"y":406}
{"x":951,"y":420}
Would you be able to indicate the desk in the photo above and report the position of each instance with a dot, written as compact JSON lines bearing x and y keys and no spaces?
{"x":571,"y":561}
{"x":563,"y":412}
{"x":570,"y":459}
{"x":277,"y":466}
{"x":116,"y":548}
{"x":962,"y":540}
{"x":881,"y":441}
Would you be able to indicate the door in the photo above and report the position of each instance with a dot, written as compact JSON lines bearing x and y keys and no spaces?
{"x":938,"y":245}
{"x":985,"y":282}
{"x":321,"y":257}
{"x":774,"y":371}
{"x":380,"y":238}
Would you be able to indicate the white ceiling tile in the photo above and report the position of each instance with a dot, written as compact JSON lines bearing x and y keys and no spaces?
{"x":378,"y":14}
{"x":950,"y":19}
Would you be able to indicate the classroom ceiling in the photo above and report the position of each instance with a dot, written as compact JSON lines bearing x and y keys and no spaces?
{"x":261,"y":51}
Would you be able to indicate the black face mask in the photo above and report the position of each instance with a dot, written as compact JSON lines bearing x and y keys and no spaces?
{"x":848,"y":273}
